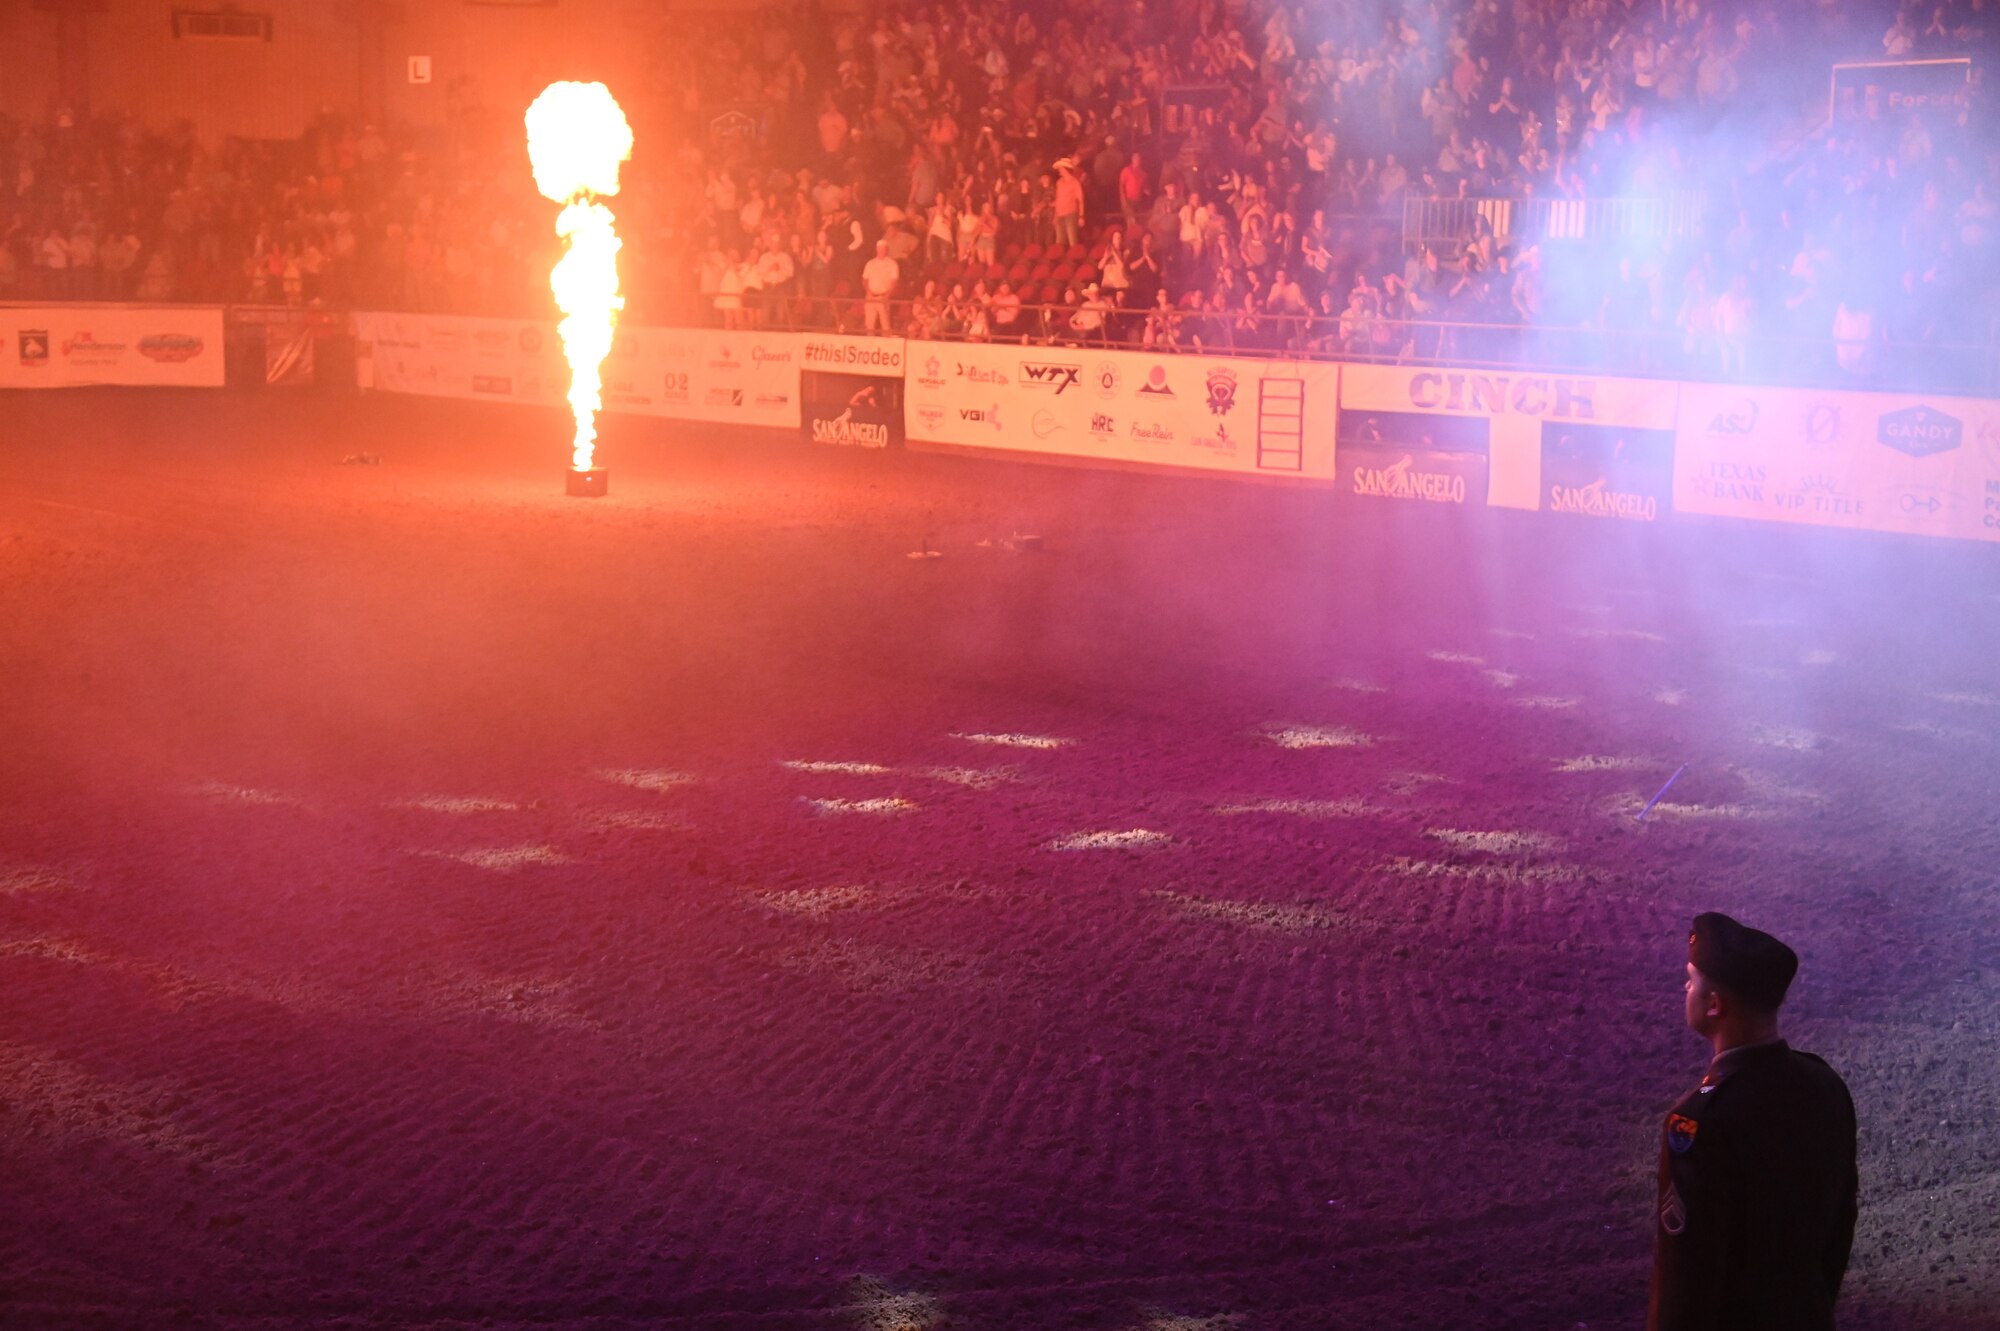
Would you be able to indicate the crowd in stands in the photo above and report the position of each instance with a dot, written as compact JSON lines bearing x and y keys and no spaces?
{"x":1193,"y":174}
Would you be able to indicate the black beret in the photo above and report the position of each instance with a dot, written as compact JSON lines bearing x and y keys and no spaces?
{"x":1748,"y":962}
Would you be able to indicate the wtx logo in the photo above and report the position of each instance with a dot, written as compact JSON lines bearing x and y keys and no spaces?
{"x":1739,"y":417}
{"x":1920,"y":431}
{"x":1049,"y":374}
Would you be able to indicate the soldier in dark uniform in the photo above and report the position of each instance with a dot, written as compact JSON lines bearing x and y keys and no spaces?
{"x":1757,"y":1164}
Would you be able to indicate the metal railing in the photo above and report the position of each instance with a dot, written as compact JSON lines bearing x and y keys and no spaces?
{"x":1971,"y":368}
{"x":1449,"y":223}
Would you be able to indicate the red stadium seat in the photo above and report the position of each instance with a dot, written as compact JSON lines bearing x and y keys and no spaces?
{"x":1087,"y":273}
{"x":994,"y":272}
{"x":1040,"y":272}
{"x":1018,"y":273}
{"x":1063,"y":271}
{"x":1031,"y":252}
{"x":1078,"y":253}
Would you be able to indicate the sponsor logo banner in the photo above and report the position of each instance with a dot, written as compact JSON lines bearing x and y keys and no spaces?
{"x":1874,"y":461}
{"x":70,"y":346}
{"x":694,"y":374}
{"x":1414,"y":474}
{"x":1604,"y":471}
{"x":1267,"y":417}
{"x":834,"y":353}
{"x":1500,"y":393}
{"x":843,"y":408}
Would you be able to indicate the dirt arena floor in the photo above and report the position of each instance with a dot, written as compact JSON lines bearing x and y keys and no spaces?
{"x":428,"y":901}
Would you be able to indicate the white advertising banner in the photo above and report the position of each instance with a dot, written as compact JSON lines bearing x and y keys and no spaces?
{"x":838,"y":353}
{"x":73,"y":346}
{"x":1516,"y":405}
{"x":442,"y":355}
{"x":702,"y":374}
{"x":1257,"y":417}
{"x":1895,"y":462}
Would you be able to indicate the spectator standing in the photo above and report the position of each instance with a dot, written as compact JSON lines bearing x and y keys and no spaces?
{"x":1068,"y":204}
{"x":878,"y":285}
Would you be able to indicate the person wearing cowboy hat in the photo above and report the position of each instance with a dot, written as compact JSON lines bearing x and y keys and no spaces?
{"x":1069,"y":203}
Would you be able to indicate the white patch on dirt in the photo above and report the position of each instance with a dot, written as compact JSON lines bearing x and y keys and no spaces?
{"x":223,"y":793}
{"x":1968,"y":699}
{"x":1408,"y":783}
{"x":1626,"y":635}
{"x":1767,"y":672}
{"x":1016,"y":741}
{"x":813,"y":901}
{"x":1347,"y":808}
{"x":1497,"y":843}
{"x":1544,"y":702}
{"x":1670,"y":697}
{"x":1592,"y":762}
{"x":878,"y":807}
{"x":1316,"y":737}
{"x":1502,"y":679}
{"x":1275,"y":917}
{"x":1166,"y":1321}
{"x":1456,"y":658}
{"x":851,"y":769}
{"x":874,"y":1305}
{"x":639,"y":820}
{"x":1932,"y":730}
{"x":1407,"y":866}
{"x":1515,"y":635}
{"x":1356,"y":685}
{"x":1629,"y":806}
{"x":1818,"y":656}
{"x":55,"y":949}
{"x":507,"y":859}
{"x":458,"y":804}
{"x":974,"y":778}
{"x":1790,"y":738}
{"x":20,"y":882}
{"x":1136,"y":839}
{"x":658,"y":780}
{"x":1588,"y":609}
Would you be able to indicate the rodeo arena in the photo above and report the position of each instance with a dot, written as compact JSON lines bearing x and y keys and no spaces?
{"x":862,"y":665}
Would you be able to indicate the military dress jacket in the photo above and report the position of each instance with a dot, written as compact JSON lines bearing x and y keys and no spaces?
{"x":1758,"y":1192}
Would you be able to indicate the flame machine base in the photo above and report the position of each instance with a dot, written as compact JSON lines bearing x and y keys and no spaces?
{"x":592,"y":484}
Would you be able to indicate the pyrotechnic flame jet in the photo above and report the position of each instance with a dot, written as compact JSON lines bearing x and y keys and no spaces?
{"x":577,"y":136}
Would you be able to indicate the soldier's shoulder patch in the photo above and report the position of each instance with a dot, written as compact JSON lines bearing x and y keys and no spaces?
{"x":1673,"y":1215}
{"x":1680,"y":1133}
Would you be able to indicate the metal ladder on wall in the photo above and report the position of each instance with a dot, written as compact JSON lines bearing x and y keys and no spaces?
{"x":1281,"y":424}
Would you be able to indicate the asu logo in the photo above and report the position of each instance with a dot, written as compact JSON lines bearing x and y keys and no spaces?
{"x":1680,"y":1133}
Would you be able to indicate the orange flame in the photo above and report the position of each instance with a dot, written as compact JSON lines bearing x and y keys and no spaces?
{"x":577,"y":136}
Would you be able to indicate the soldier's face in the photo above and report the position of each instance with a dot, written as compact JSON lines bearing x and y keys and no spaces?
{"x":1702,"y":1009}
